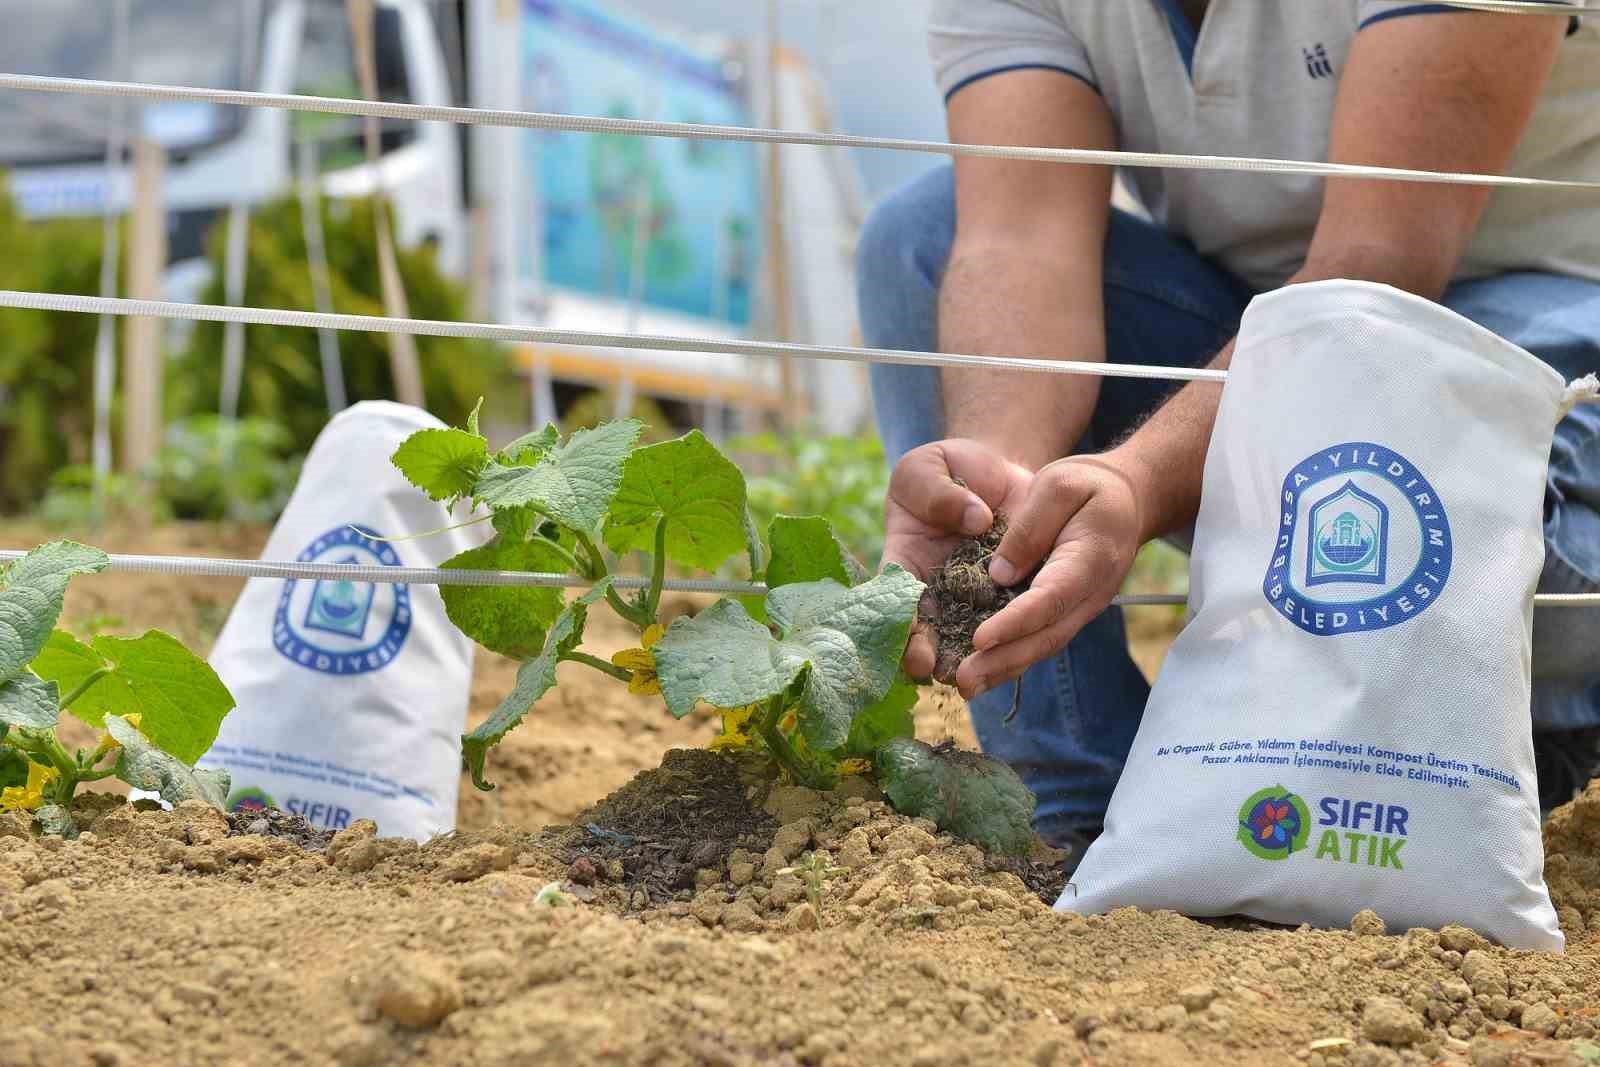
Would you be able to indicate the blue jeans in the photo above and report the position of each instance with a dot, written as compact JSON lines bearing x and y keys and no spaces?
{"x":1165,"y":304}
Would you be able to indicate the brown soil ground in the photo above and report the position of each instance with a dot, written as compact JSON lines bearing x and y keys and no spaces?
{"x":175,"y":938}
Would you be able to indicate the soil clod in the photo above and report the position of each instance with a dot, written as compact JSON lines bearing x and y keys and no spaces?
{"x":667,"y":824}
{"x":272,"y":822}
{"x":963,"y":598}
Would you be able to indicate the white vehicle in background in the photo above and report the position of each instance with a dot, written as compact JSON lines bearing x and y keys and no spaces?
{"x":54,"y":145}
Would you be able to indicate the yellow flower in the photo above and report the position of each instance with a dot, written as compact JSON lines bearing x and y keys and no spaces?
{"x":109,"y":744}
{"x":29,"y":797}
{"x":642,"y":662}
{"x":734,"y":735}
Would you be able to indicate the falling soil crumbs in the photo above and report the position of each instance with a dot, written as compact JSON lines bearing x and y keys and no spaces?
{"x":964,"y":597}
{"x":172,"y":938}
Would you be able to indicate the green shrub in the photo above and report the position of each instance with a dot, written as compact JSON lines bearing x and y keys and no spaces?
{"x":841,"y":478}
{"x":283,"y":370}
{"x":46,"y":358}
{"x":208,"y":468}
{"x":597,"y":406}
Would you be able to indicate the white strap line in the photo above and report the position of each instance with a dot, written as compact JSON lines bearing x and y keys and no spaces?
{"x":96,"y":305}
{"x":211,"y":567}
{"x":539,"y":120}
{"x":1566,"y":8}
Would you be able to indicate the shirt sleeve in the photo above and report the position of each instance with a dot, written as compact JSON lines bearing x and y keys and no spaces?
{"x":1371,"y":11}
{"x":971,"y":39}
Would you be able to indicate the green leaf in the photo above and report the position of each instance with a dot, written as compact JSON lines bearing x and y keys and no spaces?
{"x":573,"y":483}
{"x":28,"y":701}
{"x":144,"y":766}
{"x":69,"y":662}
{"x":966,"y":793}
{"x":535,"y":678}
{"x":30,"y":603}
{"x":472,"y":418}
{"x":13,"y":766}
{"x":445,"y":464}
{"x":883,"y":721}
{"x":845,"y":644}
{"x":54,"y":820}
{"x":697,"y":489}
{"x":804,"y":549}
{"x":180,"y":697}
{"x":514,"y":524}
{"x":526,"y":450}
{"x":510,"y":620}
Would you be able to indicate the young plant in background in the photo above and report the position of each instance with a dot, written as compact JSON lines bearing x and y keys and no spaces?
{"x":158,"y":704}
{"x":809,"y":673}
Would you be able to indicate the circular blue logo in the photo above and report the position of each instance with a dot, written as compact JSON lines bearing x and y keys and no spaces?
{"x":343,"y":627}
{"x":1363,"y":542}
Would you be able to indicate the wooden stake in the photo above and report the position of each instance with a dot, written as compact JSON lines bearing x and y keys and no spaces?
{"x":147,"y":258}
{"x":781,"y":320}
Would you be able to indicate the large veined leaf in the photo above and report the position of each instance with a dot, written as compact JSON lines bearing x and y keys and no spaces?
{"x":144,"y":766}
{"x":573,"y":483}
{"x":28,"y":701}
{"x":805,"y":549}
{"x":695,"y":488}
{"x":179,"y":697}
{"x":844,"y":643}
{"x":69,"y":662}
{"x":966,"y":793}
{"x":445,"y":464}
{"x":536,"y":678}
{"x":510,"y":620}
{"x":30,"y":603}
{"x":883,"y":721}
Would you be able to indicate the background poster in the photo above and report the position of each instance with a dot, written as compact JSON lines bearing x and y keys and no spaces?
{"x":701,"y":199}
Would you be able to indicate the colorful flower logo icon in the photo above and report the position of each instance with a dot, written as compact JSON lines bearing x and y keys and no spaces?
{"x":1274,"y":824}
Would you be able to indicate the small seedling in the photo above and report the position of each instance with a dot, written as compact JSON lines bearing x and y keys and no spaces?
{"x":814,"y":870}
{"x":809,"y":673}
{"x":551,"y":896}
{"x":159,"y":705}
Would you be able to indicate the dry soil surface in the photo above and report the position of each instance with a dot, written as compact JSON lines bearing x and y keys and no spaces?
{"x":810,"y":929}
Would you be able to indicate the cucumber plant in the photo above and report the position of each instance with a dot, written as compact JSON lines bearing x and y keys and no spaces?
{"x":809,"y":673}
{"x":159,"y":705}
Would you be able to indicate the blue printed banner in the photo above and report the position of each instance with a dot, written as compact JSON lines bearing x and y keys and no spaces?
{"x":699,"y":201}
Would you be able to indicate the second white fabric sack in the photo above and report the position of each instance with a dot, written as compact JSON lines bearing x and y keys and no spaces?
{"x":1343,"y":724}
{"x":352,"y":695}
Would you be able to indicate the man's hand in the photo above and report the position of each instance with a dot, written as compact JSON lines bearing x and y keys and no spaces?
{"x":1082,"y":518}
{"x":928,"y":513}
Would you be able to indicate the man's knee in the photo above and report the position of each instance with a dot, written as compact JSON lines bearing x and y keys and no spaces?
{"x":907,"y":237}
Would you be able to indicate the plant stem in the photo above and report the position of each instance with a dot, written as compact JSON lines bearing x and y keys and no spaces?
{"x":658,"y":571}
{"x":779,"y":746}
{"x":95,"y":776}
{"x":83,"y":687}
{"x":561,"y":550}
{"x":621,"y":674}
{"x":597,"y":570}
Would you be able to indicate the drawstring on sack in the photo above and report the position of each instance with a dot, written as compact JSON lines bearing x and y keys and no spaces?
{"x":1585,"y":390}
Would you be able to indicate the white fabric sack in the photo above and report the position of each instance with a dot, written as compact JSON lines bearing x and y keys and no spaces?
{"x":352,"y":695}
{"x":1343,"y":723}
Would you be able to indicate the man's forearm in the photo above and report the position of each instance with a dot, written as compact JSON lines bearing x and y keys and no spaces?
{"x":1001,"y":302}
{"x":1166,"y":457}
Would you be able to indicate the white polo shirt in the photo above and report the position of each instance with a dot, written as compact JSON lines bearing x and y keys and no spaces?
{"x":1260,"y":79}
